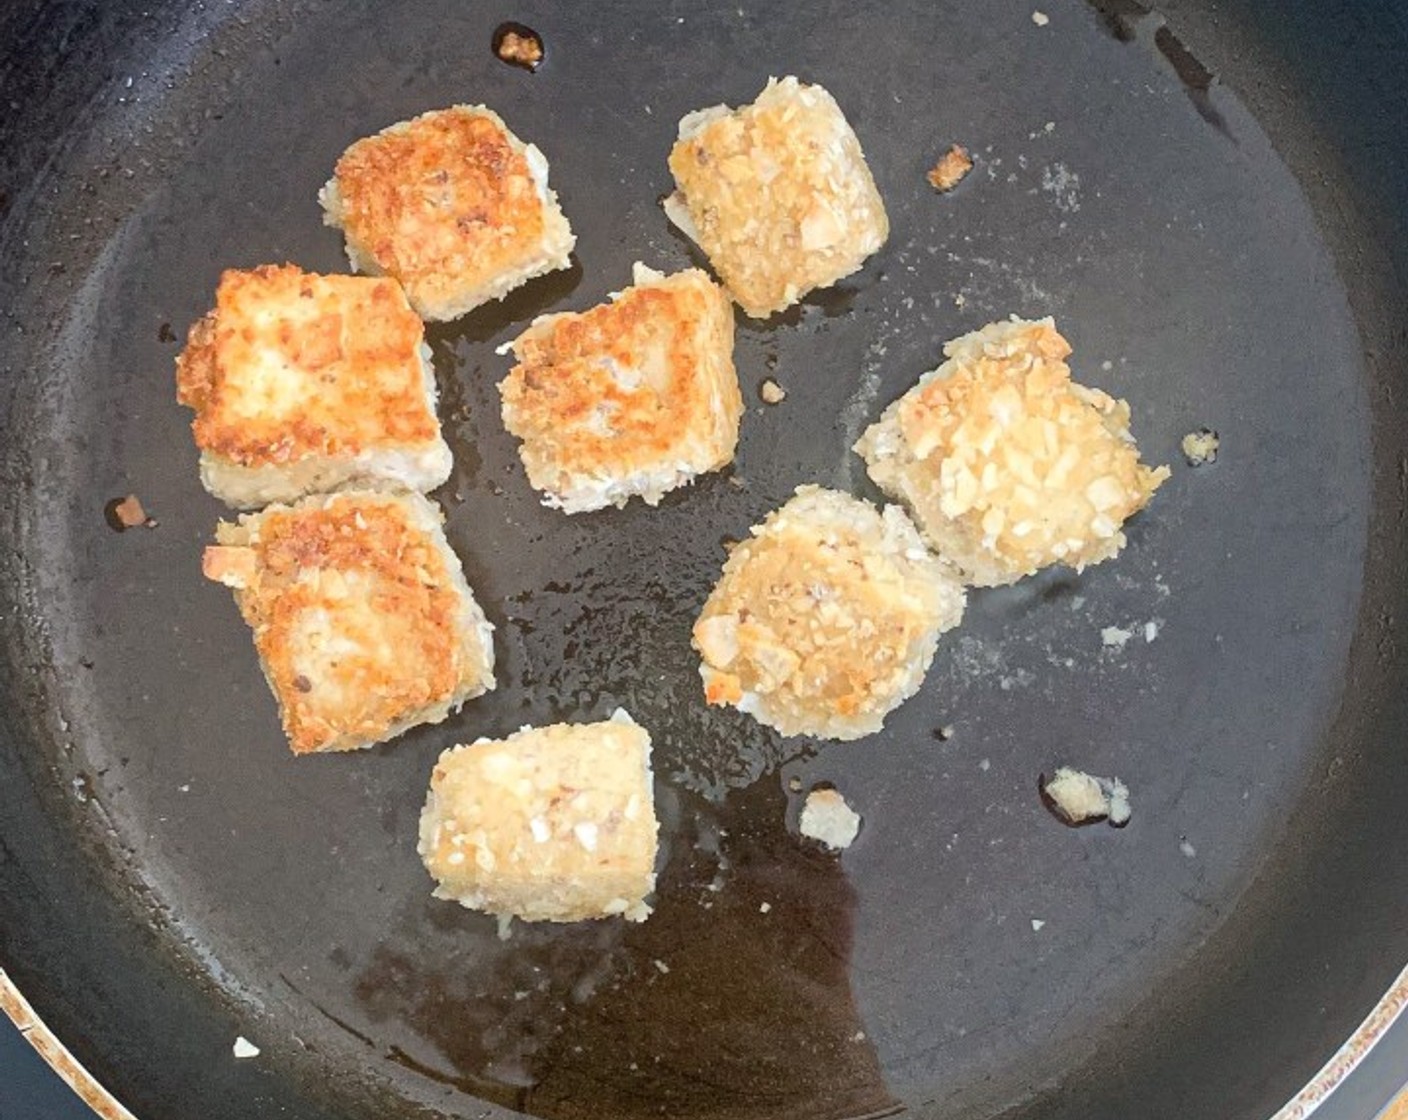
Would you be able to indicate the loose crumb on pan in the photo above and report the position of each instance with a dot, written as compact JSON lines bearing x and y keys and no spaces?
{"x":1115,"y":636}
{"x":1076,"y":797}
{"x":953,"y":165}
{"x":1200,"y":447}
{"x":518,"y":45}
{"x":128,"y":513}
{"x":243,"y":1048}
{"x":827,"y":818}
{"x":772,"y":392}
{"x":1041,"y":19}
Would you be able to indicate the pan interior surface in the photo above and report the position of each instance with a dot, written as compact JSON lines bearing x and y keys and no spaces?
{"x":968,"y":952}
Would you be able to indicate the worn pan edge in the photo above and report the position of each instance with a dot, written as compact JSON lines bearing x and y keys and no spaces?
{"x":57,"y":1055}
{"x":1311,"y":1096}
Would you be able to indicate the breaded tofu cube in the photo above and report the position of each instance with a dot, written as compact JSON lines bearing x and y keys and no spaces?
{"x":303,"y":384}
{"x":551,"y":824}
{"x":453,"y":205}
{"x":1006,"y":463}
{"x":634,"y":397}
{"x":827,"y":619}
{"x":362,"y":618}
{"x":777,"y":194}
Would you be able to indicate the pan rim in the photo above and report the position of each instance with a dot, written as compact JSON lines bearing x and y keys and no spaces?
{"x":1315,"y":1092}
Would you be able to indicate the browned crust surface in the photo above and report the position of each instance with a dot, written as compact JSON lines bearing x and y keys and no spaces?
{"x":675,"y":397}
{"x":352,"y":607}
{"x":291,"y":365}
{"x":446,"y":203}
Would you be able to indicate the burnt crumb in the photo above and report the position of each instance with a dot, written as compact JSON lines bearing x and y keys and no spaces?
{"x":302,"y":683}
{"x":164,"y":333}
{"x":518,"y":45}
{"x":953,"y":165}
{"x":126,"y":513}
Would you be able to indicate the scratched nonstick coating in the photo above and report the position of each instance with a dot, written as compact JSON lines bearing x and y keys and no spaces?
{"x":178,"y":878}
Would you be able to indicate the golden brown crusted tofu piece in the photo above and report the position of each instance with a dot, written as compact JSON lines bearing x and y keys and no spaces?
{"x":453,"y":205}
{"x":1006,"y":463}
{"x":550,"y":824}
{"x":362,"y":619}
{"x":303,"y":383}
{"x":826,"y":620}
{"x":633,"y":397}
{"x":777,"y":194}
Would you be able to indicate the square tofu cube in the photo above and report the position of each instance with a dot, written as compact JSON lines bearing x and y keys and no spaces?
{"x":362,"y":619}
{"x":827,"y":618}
{"x":304,"y":383}
{"x":1006,"y":463}
{"x":453,"y":205}
{"x":550,"y":824}
{"x":777,"y":194}
{"x":634,"y":397}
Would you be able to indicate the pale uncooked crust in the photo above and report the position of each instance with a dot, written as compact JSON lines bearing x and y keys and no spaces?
{"x":303,"y":383}
{"x":634,"y":397}
{"x":827,"y":618}
{"x":550,"y":824}
{"x":1007,"y":464}
{"x":777,"y":194}
{"x":361,"y":615}
{"x":453,"y":205}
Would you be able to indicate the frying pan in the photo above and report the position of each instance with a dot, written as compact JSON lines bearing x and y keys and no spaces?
{"x":1211,"y":201}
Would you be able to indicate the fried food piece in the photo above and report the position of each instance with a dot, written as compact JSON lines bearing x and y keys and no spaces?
{"x":453,"y":205}
{"x":362,"y":618}
{"x":777,"y":194}
{"x":304,"y":383}
{"x":1006,"y":463}
{"x":827,"y":619}
{"x":550,"y":824}
{"x":634,"y":397}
